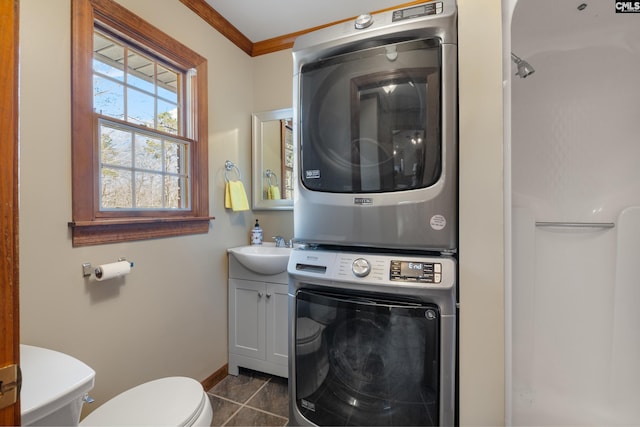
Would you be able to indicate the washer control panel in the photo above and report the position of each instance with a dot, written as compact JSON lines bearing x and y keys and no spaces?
{"x":373,"y":269}
{"x":416,"y":271}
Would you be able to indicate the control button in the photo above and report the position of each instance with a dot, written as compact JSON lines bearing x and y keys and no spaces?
{"x":361,"y":267}
{"x":363,"y":21}
{"x":437,"y":278}
{"x":437,"y":268}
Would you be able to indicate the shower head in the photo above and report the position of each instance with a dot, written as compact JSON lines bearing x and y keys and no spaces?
{"x":524,"y":68}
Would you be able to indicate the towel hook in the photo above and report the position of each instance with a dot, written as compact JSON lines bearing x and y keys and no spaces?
{"x":271,"y":174}
{"x":229,"y":166}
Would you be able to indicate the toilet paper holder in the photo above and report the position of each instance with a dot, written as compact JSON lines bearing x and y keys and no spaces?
{"x":88,"y":270}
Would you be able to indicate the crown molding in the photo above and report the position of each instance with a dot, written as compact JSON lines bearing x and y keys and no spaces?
{"x":218,"y":22}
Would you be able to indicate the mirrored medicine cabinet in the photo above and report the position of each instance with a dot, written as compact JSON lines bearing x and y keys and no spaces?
{"x":272,"y":160}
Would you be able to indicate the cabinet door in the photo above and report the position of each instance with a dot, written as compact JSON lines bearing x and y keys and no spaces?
{"x":246,"y":318}
{"x":277,"y":323}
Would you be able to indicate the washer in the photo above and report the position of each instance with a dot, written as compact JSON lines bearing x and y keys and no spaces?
{"x":372,"y":338}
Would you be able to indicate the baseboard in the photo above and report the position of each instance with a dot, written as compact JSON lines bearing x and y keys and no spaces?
{"x":215,"y":378}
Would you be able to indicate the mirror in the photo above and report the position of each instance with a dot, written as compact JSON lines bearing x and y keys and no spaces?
{"x":272,"y":160}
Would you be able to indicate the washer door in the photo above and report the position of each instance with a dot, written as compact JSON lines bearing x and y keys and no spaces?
{"x":378,"y":362}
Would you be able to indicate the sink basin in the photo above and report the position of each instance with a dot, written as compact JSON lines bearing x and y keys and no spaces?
{"x":262,"y":259}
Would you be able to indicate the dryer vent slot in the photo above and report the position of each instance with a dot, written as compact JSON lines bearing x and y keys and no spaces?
{"x":311,"y":268}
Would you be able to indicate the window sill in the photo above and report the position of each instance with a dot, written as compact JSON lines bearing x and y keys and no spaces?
{"x":88,"y":233}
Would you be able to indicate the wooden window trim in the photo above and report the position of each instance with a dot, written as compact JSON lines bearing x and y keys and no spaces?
{"x":90,"y":227}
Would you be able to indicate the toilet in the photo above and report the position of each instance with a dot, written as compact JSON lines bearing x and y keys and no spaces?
{"x":55,"y":386}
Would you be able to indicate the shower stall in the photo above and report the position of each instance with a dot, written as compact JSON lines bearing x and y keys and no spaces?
{"x":573,"y":222}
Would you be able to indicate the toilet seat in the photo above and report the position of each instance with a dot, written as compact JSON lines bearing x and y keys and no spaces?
{"x":172,"y":401}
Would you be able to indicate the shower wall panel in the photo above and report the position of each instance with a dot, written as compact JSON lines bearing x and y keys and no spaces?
{"x":576,"y":159}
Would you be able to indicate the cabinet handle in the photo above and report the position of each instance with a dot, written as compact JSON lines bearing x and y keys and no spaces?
{"x":268,"y":295}
{"x":260,"y":294}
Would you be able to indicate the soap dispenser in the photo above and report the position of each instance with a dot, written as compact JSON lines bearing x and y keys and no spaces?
{"x":256,"y":234}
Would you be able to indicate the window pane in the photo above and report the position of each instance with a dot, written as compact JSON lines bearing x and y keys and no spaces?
{"x":169,"y":95}
{"x":108,"y":97}
{"x":108,"y":70}
{"x":158,"y":166}
{"x":167,"y":117}
{"x":140,"y":108}
{"x":148,"y":190}
{"x":167,"y":84}
{"x":148,"y":153}
{"x":175,"y":157}
{"x":175,"y":190}
{"x":115,"y":146}
{"x":152,"y":89}
{"x":141,"y":72}
{"x":107,"y":57}
{"x":115,"y":189}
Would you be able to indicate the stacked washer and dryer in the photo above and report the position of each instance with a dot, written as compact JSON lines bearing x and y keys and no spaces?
{"x":372,"y":285}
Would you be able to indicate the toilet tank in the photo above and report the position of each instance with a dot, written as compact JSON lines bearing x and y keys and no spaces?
{"x":53,"y":387}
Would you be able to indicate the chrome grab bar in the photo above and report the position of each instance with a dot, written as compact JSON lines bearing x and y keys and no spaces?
{"x":576,"y":224}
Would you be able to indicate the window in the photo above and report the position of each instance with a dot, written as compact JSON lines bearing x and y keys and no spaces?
{"x":139,"y":129}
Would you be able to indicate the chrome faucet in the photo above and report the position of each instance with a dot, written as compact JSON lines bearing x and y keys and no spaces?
{"x":280,"y":243}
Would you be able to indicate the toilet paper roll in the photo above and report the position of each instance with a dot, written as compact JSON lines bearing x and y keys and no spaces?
{"x":110,"y":271}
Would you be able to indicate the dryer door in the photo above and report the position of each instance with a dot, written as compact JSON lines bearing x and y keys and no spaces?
{"x":371,"y":119}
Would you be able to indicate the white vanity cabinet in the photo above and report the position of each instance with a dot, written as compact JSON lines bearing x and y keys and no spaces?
{"x":258,"y":320}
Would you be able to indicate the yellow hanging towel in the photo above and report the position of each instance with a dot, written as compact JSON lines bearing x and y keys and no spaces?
{"x":227,"y":195}
{"x":274,"y":192}
{"x":237,"y":197}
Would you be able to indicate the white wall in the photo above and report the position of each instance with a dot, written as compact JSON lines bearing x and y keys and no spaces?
{"x":481,"y":213}
{"x":273,"y":90}
{"x":169,"y":316}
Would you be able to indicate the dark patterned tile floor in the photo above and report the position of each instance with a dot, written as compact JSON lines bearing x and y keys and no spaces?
{"x":250,"y":399}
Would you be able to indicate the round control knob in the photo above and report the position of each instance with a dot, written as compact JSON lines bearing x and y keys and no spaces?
{"x":361,"y":267}
{"x":363,"y":21}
